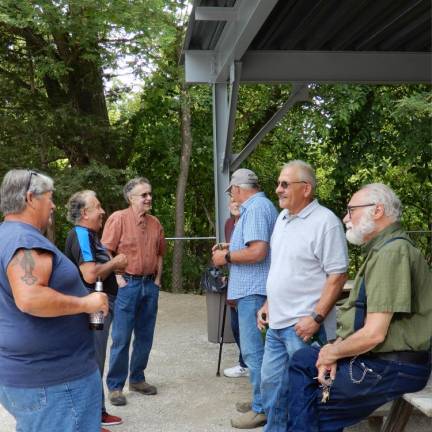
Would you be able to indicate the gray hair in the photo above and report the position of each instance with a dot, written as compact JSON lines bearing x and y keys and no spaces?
{"x":131,"y":184}
{"x":307,"y":173}
{"x":248,"y":186}
{"x":15,"y":185}
{"x":379,"y":193}
{"x":77,"y":202}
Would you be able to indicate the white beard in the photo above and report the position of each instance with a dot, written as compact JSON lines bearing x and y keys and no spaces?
{"x":356,"y":234}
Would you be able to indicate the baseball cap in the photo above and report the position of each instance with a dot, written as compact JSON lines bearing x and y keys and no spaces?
{"x":242,"y":176}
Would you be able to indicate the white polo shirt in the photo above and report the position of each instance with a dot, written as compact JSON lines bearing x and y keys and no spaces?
{"x":305,"y":249}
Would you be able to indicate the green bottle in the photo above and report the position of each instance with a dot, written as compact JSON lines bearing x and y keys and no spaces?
{"x":315,"y":338}
{"x":265,"y":328}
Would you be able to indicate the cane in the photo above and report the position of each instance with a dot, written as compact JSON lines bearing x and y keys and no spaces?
{"x":221,"y":337}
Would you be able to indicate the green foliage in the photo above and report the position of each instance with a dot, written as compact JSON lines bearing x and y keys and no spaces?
{"x":55,"y":116}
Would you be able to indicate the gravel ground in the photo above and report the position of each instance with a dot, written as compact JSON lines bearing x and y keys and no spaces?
{"x":183,"y":367}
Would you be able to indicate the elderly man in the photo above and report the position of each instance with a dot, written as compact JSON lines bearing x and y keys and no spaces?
{"x":138,"y":235}
{"x":84,"y":248}
{"x":249,"y":259}
{"x":384,"y":328}
{"x":48,"y":375}
{"x":309,"y":260}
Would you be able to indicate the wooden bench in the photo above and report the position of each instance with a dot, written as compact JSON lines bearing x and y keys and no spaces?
{"x":402,"y":408}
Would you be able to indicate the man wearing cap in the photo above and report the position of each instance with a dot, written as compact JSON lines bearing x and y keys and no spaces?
{"x":249,"y":259}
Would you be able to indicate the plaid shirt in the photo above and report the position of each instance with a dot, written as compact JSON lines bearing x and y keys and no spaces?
{"x":257,"y":218}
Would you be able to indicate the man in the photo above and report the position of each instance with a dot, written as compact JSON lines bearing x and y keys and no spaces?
{"x":240,"y":369}
{"x":384,"y":328}
{"x":249,"y":259}
{"x":138,"y":235}
{"x":84,"y":248}
{"x":309,"y":260}
{"x":48,"y":375}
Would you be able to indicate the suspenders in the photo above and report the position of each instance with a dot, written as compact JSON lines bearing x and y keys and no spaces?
{"x":361,"y":302}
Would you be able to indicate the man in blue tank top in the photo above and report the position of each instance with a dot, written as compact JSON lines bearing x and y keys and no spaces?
{"x":48,"y":374}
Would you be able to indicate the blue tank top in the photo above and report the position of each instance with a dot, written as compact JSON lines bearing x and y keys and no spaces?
{"x":37,"y":351}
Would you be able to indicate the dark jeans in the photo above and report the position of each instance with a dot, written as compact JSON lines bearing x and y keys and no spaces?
{"x":135,"y":311}
{"x":101,"y":341}
{"x":349,"y":402}
{"x":236,"y":332}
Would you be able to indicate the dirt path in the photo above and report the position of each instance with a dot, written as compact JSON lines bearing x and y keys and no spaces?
{"x":183,"y":366}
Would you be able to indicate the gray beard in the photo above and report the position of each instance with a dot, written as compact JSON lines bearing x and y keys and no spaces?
{"x":356,"y":234}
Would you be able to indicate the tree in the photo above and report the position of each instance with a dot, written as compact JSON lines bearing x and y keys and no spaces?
{"x":54,"y":56}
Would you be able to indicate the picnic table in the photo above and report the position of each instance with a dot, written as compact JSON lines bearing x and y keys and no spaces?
{"x":402,"y":408}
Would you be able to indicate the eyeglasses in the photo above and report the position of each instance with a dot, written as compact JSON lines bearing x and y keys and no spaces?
{"x":32,"y":173}
{"x":229,"y":192}
{"x":353,"y":207}
{"x":285,"y":185}
{"x":144,"y":195}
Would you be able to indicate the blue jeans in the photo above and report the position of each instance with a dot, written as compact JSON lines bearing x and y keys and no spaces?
{"x":251,"y":343}
{"x":101,"y":341}
{"x":236,"y":333}
{"x":349,"y":402}
{"x":280,"y":345}
{"x":135,"y":310}
{"x":73,"y":406}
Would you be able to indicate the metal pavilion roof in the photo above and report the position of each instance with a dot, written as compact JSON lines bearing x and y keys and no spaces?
{"x":232,"y":42}
{"x":310,"y":40}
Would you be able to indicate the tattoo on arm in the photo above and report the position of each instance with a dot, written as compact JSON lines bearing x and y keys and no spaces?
{"x":28,"y":264}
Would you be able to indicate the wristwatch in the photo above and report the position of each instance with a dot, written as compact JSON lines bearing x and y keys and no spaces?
{"x":317,"y":317}
{"x":228,"y":257}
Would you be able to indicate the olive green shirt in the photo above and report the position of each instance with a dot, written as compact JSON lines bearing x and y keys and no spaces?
{"x":399,"y":280}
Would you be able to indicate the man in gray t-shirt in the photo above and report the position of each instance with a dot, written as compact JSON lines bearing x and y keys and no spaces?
{"x":309,"y":260}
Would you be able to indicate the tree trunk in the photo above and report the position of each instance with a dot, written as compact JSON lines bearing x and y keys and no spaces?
{"x":186,"y":135}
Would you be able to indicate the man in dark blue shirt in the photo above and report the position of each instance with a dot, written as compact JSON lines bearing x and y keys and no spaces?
{"x":48,"y":374}
{"x":84,"y":248}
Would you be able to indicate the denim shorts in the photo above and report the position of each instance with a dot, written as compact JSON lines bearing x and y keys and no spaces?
{"x":73,"y":406}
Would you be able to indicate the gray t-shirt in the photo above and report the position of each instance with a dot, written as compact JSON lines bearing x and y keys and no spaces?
{"x":305,"y":249}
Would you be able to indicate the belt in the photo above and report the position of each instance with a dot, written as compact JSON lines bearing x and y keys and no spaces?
{"x":142,"y":277}
{"x":418,"y":357}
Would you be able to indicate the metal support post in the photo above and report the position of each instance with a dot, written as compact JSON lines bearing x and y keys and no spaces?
{"x":221,"y":174}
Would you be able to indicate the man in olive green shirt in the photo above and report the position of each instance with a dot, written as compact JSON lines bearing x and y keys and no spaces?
{"x":384,"y":328}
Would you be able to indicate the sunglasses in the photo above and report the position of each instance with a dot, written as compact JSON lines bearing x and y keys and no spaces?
{"x":144,"y":195}
{"x":285,"y":185}
{"x":31,"y":174}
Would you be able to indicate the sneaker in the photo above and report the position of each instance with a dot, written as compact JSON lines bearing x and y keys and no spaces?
{"x":243,"y":407}
{"x":110,"y":420}
{"x":105,"y":430}
{"x":236,"y":372}
{"x":117,"y":397}
{"x":143,"y":388}
{"x":249,"y":420}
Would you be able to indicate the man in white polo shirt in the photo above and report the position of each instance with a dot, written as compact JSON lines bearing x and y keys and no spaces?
{"x":309,"y":260}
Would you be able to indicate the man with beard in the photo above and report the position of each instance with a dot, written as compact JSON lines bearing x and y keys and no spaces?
{"x":384,"y":328}
{"x":85,"y":250}
{"x":309,"y":259}
{"x":138,"y":235}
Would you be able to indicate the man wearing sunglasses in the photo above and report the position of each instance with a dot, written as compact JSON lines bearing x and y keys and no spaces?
{"x":140,"y":236}
{"x":309,"y":261}
{"x":249,"y":259}
{"x":48,"y":374}
{"x":384,"y":328}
